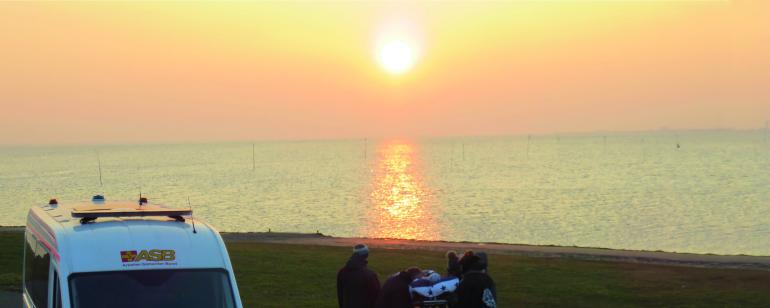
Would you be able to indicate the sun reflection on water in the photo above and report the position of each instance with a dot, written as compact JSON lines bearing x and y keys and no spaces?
{"x":400,"y":199}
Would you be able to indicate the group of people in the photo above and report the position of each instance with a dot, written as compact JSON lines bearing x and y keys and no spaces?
{"x":466,"y":283}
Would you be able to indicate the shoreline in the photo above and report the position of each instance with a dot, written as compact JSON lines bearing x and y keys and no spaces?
{"x":537,"y":251}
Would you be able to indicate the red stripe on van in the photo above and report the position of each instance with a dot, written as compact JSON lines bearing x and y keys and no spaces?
{"x":45,"y":242}
{"x":45,"y":227}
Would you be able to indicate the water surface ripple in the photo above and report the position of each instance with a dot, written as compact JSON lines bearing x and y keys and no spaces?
{"x":631,"y":191}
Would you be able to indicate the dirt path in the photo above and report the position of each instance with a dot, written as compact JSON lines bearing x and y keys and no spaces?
{"x":599,"y":254}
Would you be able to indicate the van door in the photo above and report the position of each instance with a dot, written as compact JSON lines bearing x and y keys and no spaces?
{"x":55,"y":295}
{"x":37,"y":275}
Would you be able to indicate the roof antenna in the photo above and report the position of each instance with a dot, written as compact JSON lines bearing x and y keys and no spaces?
{"x":99,"y":160}
{"x":142,"y":200}
{"x":191,"y":214}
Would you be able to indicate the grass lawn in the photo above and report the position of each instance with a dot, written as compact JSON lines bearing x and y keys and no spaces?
{"x":279,"y":275}
{"x":11,"y":255}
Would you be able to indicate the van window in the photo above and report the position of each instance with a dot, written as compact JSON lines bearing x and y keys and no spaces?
{"x":190,"y":288}
{"x":36,"y":266}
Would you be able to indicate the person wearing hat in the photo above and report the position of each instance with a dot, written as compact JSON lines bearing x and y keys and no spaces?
{"x":476,"y":289}
{"x":357,"y":285}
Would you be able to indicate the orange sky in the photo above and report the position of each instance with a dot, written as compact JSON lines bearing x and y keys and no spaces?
{"x":177,"y":72}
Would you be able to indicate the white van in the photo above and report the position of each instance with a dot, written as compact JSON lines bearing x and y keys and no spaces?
{"x":124,"y":254}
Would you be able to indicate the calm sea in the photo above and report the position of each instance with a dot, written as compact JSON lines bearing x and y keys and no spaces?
{"x":633,"y":191}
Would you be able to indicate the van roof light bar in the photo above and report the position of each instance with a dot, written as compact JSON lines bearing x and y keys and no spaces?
{"x":91,"y":213}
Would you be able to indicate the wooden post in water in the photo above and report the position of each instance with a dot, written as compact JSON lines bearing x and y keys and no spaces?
{"x":677,"y":142}
{"x":529,"y":138}
{"x":604,"y":141}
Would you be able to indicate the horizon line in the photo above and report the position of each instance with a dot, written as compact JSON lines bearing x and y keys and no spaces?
{"x":306,"y":139}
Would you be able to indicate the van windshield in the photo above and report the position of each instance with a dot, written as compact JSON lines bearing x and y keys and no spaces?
{"x":152,"y":288}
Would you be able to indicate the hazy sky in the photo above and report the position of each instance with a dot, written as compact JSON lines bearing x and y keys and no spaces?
{"x":177,"y":72}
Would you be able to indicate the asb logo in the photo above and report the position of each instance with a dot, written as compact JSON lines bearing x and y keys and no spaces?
{"x":147,"y":255}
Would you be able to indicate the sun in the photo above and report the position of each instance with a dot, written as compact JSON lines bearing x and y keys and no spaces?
{"x":396,"y":57}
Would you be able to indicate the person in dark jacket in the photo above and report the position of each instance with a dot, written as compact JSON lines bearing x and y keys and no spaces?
{"x":483,"y":261}
{"x":395,"y":292}
{"x":477,"y":289}
{"x":453,"y":267}
{"x":357,"y":285}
